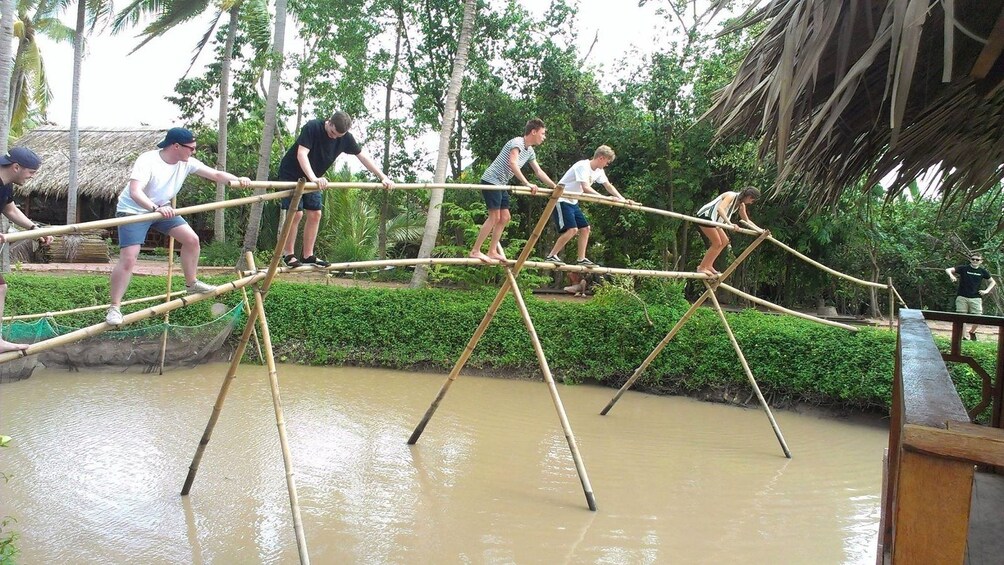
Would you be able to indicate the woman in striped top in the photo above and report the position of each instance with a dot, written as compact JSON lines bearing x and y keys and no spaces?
{"x":720,"y":210}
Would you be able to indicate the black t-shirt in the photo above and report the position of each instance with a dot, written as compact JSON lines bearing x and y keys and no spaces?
{"x":6,"y":195}
{"x":323,"y":151}
{"x":970,"y":280}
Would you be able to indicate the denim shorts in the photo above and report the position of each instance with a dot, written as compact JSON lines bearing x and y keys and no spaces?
{"x":309,"y":201}
{"x":567,"y":216}
{"x":495,"y":199}
{"x":135,"y":234}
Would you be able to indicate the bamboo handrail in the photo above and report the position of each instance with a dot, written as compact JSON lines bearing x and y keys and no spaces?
{"x":91,"y":308}
{"x":784,"y":310}
{"x":819,"y":265}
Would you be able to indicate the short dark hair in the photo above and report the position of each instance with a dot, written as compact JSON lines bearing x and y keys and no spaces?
{"x":534,"y":124}
{"x":341,"y":121}
{"x":749,"y":191}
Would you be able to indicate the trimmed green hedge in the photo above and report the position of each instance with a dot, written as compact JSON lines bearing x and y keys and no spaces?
{"x":602,"y":340}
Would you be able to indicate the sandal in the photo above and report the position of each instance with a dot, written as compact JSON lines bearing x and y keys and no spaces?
{"x":313,"y":260}
{"x":291,"y":261}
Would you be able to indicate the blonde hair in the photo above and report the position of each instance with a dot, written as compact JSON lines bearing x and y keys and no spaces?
{"x":604,"y":151}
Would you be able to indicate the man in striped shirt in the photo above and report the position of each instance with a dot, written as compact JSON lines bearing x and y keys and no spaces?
{"x":516,"y":153}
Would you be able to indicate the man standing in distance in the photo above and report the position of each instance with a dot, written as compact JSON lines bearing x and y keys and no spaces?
{"x":969,"y":299}
{"x":156,"y":178}
{"x":16,"y":167}
{"x":320,"y":142}
{"x":517,"y":152}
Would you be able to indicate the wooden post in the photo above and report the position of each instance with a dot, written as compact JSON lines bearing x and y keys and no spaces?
{"x":679,"y":324}
{"x":553,"y":389}
{"x":749,"y":373}
{"x":892,"y":305}
{"x":473,"y":342}
{"x":167,"y":295}
{"x":193,"y":468}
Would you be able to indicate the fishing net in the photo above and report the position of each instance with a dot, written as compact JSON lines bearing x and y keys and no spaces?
{"x":121,"y":350}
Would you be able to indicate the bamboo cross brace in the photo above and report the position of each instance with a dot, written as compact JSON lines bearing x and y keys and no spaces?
{"x":566,"y":427}
{"x":749,"y":373}
{"x":193,"y":468}
{"x":98,"y":307}
{"x":679,"y":324}
{"x":797,"y":314}
{"x":489,"y":315}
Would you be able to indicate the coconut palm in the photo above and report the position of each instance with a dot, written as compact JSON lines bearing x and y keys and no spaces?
{"x":350,"y":227}
{"x":7,"y":16}
{"x":29,"y":87}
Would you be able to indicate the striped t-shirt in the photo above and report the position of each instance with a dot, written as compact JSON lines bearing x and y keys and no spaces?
{"x":499,"y":172}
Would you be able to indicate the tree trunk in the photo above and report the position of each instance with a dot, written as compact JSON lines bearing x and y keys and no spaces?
{"x":442,"y":162}
{"x":8,"y":13}
{"x":268,"y":133}
{"x":78,"y":63}
{"x":385,"y":194}
{"x":219,"y":218}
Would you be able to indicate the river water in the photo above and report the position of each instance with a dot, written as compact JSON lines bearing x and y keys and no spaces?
{"x":98,"y":461}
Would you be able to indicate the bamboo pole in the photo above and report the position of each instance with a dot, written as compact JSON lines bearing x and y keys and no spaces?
{"x":566,"y":427}
{"x":784,"y":310}
{"x":267,"y":277}
{"x":280,"y":420}
{"x":749,"y":373}
{"x":900,"y":298}
{"x":254,"y":332}
{"x":489,"y":315}
{"x":167,"y":294}
{"x":892,"y":304}
{"x":138,"y":316}
{"x":93,"y":308}
{"x":679,"y":324}
{"x":819,"y":265}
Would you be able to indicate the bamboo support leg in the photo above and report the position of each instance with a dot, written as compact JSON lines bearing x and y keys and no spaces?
{"x":280,"y":422}
{"x":892,"y":304}
{"x":679,"y":324}
{"x":193,"y":468}
{"x":553,"y":389}
{"x":749,"y":373}
{"x":489,"y":315}
{"x":254,"y":332}
{"x":167,"y":298}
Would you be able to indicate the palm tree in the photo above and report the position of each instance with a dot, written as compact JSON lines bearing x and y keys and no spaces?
{"x":350,"y":227}
{"x":7,"y":16}
{"x":446,"y":131}
{"x":29,"y":88}
{"x":175,"y":12}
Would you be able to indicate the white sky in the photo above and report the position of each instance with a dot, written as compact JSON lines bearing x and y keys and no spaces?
{"x":121,"y":90}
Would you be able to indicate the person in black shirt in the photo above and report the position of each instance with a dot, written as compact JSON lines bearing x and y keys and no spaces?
{"x":969,"y":299}
{"x":320,"y":142}
{"x":16,"y":167}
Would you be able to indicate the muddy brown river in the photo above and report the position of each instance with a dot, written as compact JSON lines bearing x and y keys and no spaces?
{"x":98,"y":460}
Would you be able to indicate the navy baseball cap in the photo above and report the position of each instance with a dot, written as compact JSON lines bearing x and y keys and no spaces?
{"x":177,"y":135}
{"x":22,"y":156}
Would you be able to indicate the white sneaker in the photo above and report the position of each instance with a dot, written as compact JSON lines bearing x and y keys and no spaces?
{"x":114,"y":316}
{"x":199,"y":287}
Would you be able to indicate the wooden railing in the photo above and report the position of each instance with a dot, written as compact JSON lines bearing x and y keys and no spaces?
{"x":933,"y":447}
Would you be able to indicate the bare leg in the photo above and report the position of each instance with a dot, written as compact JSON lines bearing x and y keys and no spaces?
{"x":190,"y":249}
{"x":583,"y":242}
{"x":718,"y":240}
{"x":486,"y":228}
{"x":563,"y":240}
{"x":5,"y":345}
{"x":291,"y":239}
{"x":310,"y":228}
{"x":122,"y":273}
{"x":495,"y":247}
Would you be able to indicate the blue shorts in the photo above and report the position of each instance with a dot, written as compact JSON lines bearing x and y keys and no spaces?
{"x":309,"y":201}
{"x":495,"y":199}
{"x":567,"y":216}
{"x":135,"y":234}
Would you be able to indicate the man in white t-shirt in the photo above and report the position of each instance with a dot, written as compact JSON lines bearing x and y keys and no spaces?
{"x":568,"y":215}
{"x":155,"y":180}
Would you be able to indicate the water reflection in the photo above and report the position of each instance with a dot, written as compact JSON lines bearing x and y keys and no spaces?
{"x":100,"y":459}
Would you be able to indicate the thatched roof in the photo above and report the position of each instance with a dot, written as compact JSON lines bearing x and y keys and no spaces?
{"x":840,"y":89}
{"x":106,"y":159}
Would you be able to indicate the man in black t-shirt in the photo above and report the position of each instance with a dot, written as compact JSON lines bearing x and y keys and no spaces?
{"x":969,"y":299}
{"x":320,"y":142}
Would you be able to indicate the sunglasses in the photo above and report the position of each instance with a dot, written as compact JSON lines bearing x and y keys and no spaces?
{"x":189,"y":147}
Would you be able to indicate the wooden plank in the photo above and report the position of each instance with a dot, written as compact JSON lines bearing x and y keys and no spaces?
{"x":931,"y":522}
{"x":962,"y":442}
{"x":991,"y":51}
{"x":929,"y":396}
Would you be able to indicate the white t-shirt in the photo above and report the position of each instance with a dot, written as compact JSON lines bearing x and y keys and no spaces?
{"x":158,"y":180}
{"x":580,"y":172}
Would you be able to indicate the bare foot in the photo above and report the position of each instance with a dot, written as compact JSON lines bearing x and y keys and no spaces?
{"x":480,"y":257}
{"x":710,"y":272}
{"x":497,"y":257}
{"x":6,"y":346}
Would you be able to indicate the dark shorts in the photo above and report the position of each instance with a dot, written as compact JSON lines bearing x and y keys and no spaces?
{"x":567,"y":216}
{"x":309,"y":201}
{"x":495,"y":199}
{"x":135,"y":234}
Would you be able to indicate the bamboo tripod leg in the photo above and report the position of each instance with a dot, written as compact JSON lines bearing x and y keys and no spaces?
{"x":690,"y":312}
{"x":167,"y":298}
{"x":254,"y":332}
{"x":489,"y":315}
{"x":749,"y":373}
{"x":553,"y":389}
{"x":280,"y":421}
{"x":193,"y":468}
